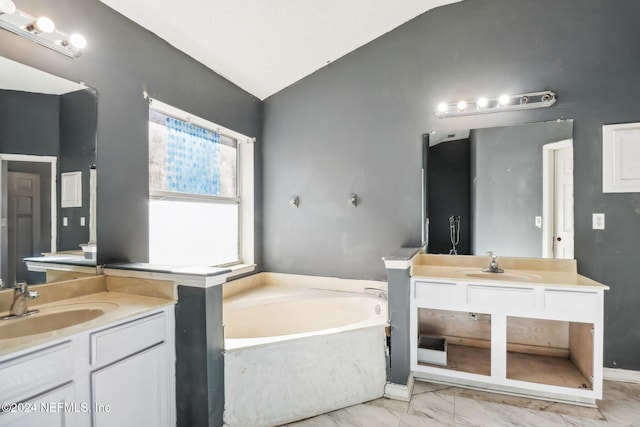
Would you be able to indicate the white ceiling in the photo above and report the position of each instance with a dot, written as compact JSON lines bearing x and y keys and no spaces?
{"x":264,"y":46}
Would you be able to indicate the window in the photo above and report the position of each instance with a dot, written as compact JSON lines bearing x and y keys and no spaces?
{"x":200,"y":191}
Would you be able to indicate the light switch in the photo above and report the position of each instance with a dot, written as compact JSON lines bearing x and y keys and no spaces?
{"x":539,"y":221}
{"x":65,"y":221}
{"x":81,"y":221}
{"x":598,"y":221}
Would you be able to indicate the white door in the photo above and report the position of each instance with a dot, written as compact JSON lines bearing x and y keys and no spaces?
{"x":24,"y":222}
{"x":563,"y":203}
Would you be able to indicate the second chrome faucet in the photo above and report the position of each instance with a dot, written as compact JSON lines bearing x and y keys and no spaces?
{"x":493,"y":264}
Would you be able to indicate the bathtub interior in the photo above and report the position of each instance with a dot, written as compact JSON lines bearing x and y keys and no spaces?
{"x":274,"y":307}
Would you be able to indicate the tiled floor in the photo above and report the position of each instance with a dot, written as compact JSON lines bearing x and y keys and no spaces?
{"x":434,"y":405}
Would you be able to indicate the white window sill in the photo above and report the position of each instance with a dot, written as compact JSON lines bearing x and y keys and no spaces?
{"x":238,"y":269}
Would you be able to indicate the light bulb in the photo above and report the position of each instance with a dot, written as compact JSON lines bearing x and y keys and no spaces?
{"x":462,"y":105}
{"x":7,"y":6}
{"x":78,"y":41}
{"x":45,"y":25}
{"x":442,"y":107}
{"x":504,"y":99}
{"x":482,"y":102}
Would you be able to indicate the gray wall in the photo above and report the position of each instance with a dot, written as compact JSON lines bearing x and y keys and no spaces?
{"x":78,"y":121}
{"x":121,"y":61}
{"x":356,"y":125}
{"x":30,"y":123}
{"x":506,"y":184}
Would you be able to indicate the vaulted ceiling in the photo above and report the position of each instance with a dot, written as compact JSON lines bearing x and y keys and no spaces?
{"x":264,"y":46}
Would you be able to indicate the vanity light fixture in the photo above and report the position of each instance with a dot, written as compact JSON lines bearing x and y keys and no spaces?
{"x":483,"y":105}
{"x":7,"y":6}
{"x":41,"y":30}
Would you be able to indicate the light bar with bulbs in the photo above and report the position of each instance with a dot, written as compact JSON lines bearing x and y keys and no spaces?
{"x":41,"y":30}
{"x":483,"y":105}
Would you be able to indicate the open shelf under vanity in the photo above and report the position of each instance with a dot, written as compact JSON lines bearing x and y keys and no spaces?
{"x":530,"y":340}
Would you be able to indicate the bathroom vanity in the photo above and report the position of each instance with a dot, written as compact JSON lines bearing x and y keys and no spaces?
{"x":91,"y":356}
{"x":534,"y":330}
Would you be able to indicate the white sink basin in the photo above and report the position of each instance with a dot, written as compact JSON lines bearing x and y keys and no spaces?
{"x":53,"y":318}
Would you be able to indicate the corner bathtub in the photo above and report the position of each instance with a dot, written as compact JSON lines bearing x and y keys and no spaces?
{"x":299,"y":346}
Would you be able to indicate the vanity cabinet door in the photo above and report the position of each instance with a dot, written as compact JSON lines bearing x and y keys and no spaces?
{"x":132,"y":392}
{"x":54,"y":409}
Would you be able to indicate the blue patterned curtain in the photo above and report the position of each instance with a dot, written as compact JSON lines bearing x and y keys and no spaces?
{"x":193,"y":159}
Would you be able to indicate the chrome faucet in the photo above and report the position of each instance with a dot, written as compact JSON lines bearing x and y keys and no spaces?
{"x":20,"y":296}
{"x":493,"y":264}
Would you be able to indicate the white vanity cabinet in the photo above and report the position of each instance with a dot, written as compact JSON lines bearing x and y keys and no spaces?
{"x":534,"y":339}
{"x":131,"y":387}
{"x":120,"y":374}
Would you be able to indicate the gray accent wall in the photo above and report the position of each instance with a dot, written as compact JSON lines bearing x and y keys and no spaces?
{"x":356,"y":126}
{"x":78,"y":123}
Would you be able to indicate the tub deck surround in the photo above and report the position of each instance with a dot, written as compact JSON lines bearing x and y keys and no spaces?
{"x":93,"y":291}
{"x":534,"y":330}
{"x":298,"y":346}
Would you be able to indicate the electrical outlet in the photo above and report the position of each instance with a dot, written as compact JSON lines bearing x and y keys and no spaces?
{"x":598,"y":221}
{"x":81,"y":221}
{"x":65,"y":221}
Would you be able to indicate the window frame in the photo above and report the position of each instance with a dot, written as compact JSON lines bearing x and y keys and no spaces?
{"x":244,"y":197}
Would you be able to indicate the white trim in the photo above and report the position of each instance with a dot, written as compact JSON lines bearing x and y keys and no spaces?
{"x":400,"y":391}
{"x":46,"y":266}
{"x":397,"y":264}
{"x":548,"y":191}
{"x":53,"y":161}
{"x":184,"y":279}
{"x":623,"y":375}
{"x":177,"y":113}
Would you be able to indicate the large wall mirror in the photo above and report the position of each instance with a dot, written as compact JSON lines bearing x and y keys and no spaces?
{"x":506,"y":189}
{"x":48,"y":161}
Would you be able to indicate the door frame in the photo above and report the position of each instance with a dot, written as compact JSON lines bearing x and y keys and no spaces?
{"x":548,"y":193}
{"x":53,"y":162}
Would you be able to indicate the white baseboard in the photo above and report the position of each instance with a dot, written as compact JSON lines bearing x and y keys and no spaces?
{"x":400,"y":391}
{"x":624,"y":375}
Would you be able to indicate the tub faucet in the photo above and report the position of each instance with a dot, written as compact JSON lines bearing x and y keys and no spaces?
{"x":20,"y":296}
{"x":377,"y":292}
{"x":493,"y":264}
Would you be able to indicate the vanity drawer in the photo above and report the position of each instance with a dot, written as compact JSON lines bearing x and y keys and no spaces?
{"x":436,"y":291}
{"x":578,"y":305}
{"x":27,"y":375}
{"x":123,"y":340}
{"x":502,"y":297}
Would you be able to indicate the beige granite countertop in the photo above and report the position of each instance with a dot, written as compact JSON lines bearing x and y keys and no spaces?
{"x":528,"y":271}
{"x":92,"y":293}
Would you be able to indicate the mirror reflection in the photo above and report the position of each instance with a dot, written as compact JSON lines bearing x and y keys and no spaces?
{"x":48,"y":158}
{"x":506,"y":189}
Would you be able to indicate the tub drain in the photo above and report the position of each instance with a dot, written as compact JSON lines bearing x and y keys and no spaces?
{"x":377,"y":308}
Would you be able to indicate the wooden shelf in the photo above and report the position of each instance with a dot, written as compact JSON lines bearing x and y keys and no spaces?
{"x":463,"y":358}
{"x":550,"y":370}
